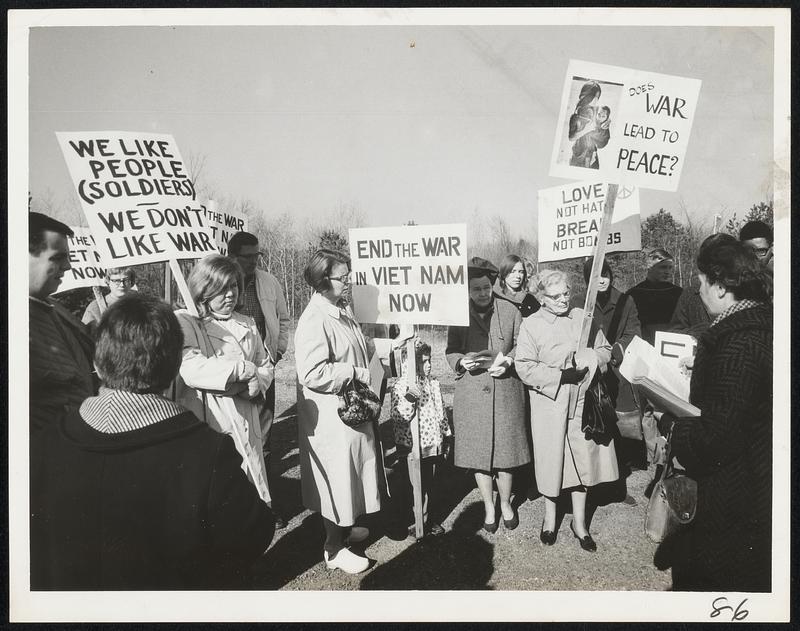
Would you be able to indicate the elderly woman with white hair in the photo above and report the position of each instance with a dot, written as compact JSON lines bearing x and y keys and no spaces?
{"x":564,"y":458}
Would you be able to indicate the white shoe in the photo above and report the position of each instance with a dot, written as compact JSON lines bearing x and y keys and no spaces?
{"x":346,"y":561}
{"x":357,"y":535}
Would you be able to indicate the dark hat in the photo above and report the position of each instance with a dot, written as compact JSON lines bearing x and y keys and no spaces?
{"x":478,"y":267}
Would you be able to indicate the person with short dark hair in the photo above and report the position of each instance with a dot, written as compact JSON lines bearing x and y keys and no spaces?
{"x":120,"y":281}
{"x":60,"y":349}
{"x":512,"y":285}
{"x":691,"y":316}
{"x":132,"y":491}
{"x":728,"y":448}
{"x":225,"y":369}
{"x":757,"y":236}
{"x":489,"y":416}
{"x":656,"y":296}
{"x":341,"y":467}
{"x":263,"y":300}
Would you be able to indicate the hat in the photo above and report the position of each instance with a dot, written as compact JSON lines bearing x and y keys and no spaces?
{"x":478,"y":267}
{"x":656,"y":256}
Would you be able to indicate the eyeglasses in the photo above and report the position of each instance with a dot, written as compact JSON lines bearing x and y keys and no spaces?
{"x":119,"y":281}
{"x":250,"y":257}
{"x":557,"y":297}
{"x":761,"y":252}
{"x":344,"y":278}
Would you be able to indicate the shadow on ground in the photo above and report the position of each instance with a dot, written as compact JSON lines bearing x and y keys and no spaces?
{"x":459,"y":559}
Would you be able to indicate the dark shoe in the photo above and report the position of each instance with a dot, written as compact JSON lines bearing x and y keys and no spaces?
{"x":491,"y":528}
{"x":547,"y":537}
{"x":280,"y":522}
{"x":512,"y":523}
{"x":434,"y":530}
{"x":587,"y":543}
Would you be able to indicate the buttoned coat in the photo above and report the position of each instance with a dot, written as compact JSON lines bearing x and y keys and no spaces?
{"x":562,"y":455}
{"x":341,"y":467}
{"x":212,"y":354}
{"x":488,"y":413}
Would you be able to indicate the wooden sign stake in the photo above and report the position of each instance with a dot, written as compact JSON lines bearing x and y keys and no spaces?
{"x":415,"y":457}
{"x":594,"y":279}
{"x":177,"y":272}
{"x":100,"y":298}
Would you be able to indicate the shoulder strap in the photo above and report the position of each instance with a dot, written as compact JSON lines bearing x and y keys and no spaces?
{"x":615,"y":319}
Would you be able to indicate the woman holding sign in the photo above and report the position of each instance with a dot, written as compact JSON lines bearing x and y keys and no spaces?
{"x":489,"y":401}
{"x":341,"y":467}
{"x":225,"y":370}
{"x":563,"y":457}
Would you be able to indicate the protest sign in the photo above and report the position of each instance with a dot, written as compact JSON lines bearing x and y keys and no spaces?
{"x":624,"y":126}
{"x":86,"y":269}
{"x":410,"y":274}
{"x":138,"y":199}
{"x":223,"y":224}
{"x":674,"y":346}
{"x":570,"y":215}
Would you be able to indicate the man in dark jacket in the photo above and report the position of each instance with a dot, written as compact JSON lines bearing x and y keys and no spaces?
{"x":60,"y":349}
{"x":132,"y":491}
{"x":656,"y":296}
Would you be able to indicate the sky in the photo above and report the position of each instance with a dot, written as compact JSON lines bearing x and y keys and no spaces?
{"x":423,"y":123}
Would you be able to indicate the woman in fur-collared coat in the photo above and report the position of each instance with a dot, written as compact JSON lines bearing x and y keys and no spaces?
{"x":489,"y":400}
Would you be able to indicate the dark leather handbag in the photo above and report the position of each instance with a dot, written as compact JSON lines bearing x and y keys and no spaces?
{"x":358,"y":404}
{"x":599,"y":416}
{"x":673,"y":503}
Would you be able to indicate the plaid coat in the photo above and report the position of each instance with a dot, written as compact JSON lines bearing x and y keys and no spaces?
{"x":728,"y":450}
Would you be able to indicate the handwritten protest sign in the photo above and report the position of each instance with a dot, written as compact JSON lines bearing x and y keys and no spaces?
{"x":223,"y":224}
{"x":624,"y":126}
{"x":138,"y":199}
{"x":86,"y":269}
{"x":570,"y":215}
{"x":410,"y":274}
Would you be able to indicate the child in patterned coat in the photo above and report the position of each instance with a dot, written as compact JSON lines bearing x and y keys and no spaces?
{"x":422,"y":399}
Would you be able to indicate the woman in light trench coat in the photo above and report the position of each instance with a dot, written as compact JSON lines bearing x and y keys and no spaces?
{"x":563,"y":457}
{"x":341,"y":467}
{"x":225,"y":369}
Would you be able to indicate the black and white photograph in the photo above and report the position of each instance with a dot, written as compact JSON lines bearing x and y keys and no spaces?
{"x":470,"y":309}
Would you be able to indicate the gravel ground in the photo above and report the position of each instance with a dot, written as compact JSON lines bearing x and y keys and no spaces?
{"x":466,"y":557}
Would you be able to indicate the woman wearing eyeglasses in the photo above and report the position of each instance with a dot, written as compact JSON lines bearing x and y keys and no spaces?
{"x":341,"y":467}
{"x":120,"y":281}
{"x":564,"y":459}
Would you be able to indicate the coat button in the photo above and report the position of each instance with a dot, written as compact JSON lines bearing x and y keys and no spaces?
{"x":487,"y":389}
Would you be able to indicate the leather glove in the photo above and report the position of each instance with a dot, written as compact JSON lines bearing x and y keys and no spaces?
{"x":572,"y":375}
{"x":665,"y":423}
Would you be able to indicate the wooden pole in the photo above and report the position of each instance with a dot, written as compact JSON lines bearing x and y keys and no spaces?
{"x":100,"y":298}
{"x":167,"y":284}
{"x":177,"y":272}
{"x":594,"y":278}
{"x":415,"y":457}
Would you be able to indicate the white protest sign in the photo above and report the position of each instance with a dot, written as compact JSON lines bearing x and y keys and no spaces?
{"x":223,"y":224}
{"x":410,"y":274}
{"x":570,"y":216}
{"x":138,"y":199}
{"x":86,"y":269}
{"x":673,"y":346}
{"x":630,"y":127}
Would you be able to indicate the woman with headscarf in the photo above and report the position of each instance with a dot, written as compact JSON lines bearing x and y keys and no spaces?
{"x":489,"y":403}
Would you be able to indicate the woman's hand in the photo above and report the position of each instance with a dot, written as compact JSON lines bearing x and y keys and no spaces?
{"x":686,"y":365}
{"x":469,"y":363}
{"x":245,"y":371}
{"x":253,"y":388}
{"x":406,"y":333}
{"x":499,"y":366}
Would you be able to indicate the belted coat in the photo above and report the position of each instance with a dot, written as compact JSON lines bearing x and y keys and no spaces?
{"x":488,"y":413}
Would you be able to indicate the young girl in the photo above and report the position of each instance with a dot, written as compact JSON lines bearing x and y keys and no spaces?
{"x":421,"y":399}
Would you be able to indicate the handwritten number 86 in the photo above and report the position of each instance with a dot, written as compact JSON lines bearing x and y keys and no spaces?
{"x":721,"y":604}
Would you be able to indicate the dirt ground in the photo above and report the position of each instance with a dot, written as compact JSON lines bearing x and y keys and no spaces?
{"x":466,"y":557}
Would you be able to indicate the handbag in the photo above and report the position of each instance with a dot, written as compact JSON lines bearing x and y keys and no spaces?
{"x":673,"y":503}
{"x":358,"y":404}
{"x":599,"y":416}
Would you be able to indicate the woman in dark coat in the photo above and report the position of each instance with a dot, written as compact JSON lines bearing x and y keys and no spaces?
{"x":728,"y":448}
{"x":513,"y":283}
{"x":489,"y":401}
